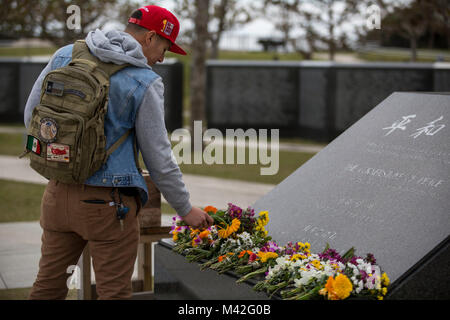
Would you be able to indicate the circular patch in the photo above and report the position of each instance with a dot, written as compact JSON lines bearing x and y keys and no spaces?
{"x":48,"y":130}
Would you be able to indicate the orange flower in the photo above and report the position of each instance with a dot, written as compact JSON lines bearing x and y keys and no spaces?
{"x":243,"y":252}
{"x":210,"y":209}
{"x":226,"y":232}
{"x":204,"y":234}
{"x":194,"y":232}
{"x":220,"y":258}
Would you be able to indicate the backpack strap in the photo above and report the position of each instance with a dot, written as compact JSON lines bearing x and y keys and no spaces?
{"x":81,"y":54}
{"x":121,"y":140}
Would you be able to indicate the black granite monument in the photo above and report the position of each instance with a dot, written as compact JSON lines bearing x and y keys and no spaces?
{"x":383,"y":186}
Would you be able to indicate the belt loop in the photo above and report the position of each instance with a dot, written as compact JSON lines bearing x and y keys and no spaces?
{"x":83,"y":187}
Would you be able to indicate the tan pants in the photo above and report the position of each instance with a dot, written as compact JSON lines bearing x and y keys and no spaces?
{"x":69,"y":224}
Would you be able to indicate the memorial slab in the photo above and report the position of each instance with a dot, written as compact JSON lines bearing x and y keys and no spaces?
{"x":383,"y":186}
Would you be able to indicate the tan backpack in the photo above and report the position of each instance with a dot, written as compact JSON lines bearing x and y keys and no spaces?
{"x":66,"y":139}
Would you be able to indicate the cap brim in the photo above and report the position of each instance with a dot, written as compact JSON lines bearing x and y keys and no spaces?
{"x":177,"y":49}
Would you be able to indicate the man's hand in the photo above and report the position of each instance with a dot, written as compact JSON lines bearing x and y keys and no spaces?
{"x":198,"y":219}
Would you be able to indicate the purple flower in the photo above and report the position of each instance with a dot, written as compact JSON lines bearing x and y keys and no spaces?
{"x":370,"y":259}
{"x":363,"y":274}
{"x":271,"y":246}
{"x":234,"y":211}
{"x":353,"y":260}
{"x":331,"y":254}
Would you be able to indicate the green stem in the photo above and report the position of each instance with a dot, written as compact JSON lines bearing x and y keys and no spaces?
{"x":207,"y":264}
{"x":252,"y":274}
{"x":289,"y":293}
{"x":310,"y":294}
{"x":277,"y":287}
{"x":244,"y":269}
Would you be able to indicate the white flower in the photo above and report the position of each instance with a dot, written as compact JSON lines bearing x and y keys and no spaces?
{"x":360,"y":287}
{"x":298,"y":283}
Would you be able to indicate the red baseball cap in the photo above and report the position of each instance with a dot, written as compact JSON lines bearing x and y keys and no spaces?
{"x":163,"y":22}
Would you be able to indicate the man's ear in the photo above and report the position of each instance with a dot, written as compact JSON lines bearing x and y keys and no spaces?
{"x":149,"y":37}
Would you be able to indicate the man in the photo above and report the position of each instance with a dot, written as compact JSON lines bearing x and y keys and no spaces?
{"x":75,"y":215}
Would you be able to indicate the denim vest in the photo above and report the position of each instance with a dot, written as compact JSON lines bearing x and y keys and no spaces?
{"x":126,"y":91}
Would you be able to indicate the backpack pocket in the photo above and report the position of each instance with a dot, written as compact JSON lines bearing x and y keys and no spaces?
{"x":59,"y":134}
{"x":71,"y":90}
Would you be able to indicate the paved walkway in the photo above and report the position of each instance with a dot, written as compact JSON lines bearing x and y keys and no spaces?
{"x":283,"y":146}
{"x":20,"y":241}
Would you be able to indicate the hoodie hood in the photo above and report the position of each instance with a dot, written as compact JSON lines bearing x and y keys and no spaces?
{"x":117,"y":47}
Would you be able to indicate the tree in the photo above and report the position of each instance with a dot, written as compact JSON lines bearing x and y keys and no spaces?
{"x":47,"y":19}
{"x":198,"y":67}
{"x":223,"y":16}
{"x":226,"y":15}
{"x":319,"y":20}
{"x":409,"y":21}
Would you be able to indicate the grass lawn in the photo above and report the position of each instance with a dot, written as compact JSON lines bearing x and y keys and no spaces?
{"x":11,"y":144}
{"x":23,"y":52}
{"x":288,"y":163}
{"x":404,"y":55}
{"x":21,"y":201}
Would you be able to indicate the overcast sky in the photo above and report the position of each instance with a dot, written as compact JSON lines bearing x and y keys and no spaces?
{"x":245,"y":37}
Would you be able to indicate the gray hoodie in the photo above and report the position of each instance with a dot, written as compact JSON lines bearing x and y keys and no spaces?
{"x":120,"y":47}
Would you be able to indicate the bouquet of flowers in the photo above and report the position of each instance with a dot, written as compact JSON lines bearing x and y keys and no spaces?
{"x":238,"y":242}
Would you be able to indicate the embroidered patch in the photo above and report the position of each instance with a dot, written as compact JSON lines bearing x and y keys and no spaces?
{"x":76,"y":92}
{"x":48,"y":130}
{"x":58,"y":152}
{"x":33,"y":144}
{"x":167,"y":27}
{"x":55,"y":88}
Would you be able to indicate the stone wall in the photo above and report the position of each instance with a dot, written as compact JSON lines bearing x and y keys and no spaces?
{"x":17,"y":77}
{"x":309,"y":99}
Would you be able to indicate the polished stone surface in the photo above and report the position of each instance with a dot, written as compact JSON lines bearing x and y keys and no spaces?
{"x":383,"y":186}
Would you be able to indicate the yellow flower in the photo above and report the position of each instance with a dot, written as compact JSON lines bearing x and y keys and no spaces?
{"x":385,"y":279}
{"x":267,"y":255}
{"x":383,"y":291}
{"x":226,"y":232}
{"x":338,"y":288}
{"x":263,"y":218}
{"x":317,"y":264}
{"x":175,"y":236}
{"x":380,"y":297}
{"x":194,"y":232}
{"x":342,"y":286}
{"x":297,"y":256}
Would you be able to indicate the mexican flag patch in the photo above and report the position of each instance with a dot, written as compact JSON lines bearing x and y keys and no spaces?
{"x":34,"y":145}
